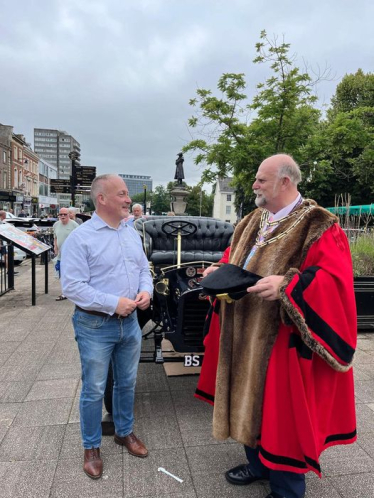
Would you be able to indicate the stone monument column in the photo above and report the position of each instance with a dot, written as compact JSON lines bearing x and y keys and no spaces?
{"x":179,"y":193}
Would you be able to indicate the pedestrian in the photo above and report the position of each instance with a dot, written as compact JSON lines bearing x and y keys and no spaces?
{"x":284,"y":385}
{"x":22,"y":214}
{"x":62,"y":229}
{"x":73,"y":216}
{"x":3,"y":248}
{"x":107,"y":276}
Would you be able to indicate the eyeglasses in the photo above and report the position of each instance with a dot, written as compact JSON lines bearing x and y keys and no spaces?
{"x":63,"y":215}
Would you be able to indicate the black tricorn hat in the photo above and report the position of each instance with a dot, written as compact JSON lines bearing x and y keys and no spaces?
{"x":229,"y":280}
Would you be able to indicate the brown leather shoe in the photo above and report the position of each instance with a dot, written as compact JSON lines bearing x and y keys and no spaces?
{"x":133,"y":444}
{"x":93,"y":464}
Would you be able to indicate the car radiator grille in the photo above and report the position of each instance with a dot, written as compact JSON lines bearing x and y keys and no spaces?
{"x":194,"y":314}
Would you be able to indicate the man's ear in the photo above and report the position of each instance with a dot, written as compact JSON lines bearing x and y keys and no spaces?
{"x":101,"y":199}
{"x":285,"y":182}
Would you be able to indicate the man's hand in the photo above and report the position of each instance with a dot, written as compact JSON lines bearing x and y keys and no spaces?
{"x":267,"y":288}
{"x":143,"y":300}
{"x":125,"y":306}
{"x":209,"y":270}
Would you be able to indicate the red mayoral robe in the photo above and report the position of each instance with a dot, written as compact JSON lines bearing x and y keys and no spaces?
{"x":307,"y":405}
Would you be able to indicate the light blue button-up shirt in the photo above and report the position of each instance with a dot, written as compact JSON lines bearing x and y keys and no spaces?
{"x":100,"y":264}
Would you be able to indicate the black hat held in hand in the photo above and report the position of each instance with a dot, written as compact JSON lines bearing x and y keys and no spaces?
{"x":229,"y":281}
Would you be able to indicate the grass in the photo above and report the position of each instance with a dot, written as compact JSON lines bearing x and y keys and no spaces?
{"x":362,"y":250}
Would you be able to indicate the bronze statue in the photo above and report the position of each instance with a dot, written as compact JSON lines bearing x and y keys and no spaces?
{"x":179,"y":172}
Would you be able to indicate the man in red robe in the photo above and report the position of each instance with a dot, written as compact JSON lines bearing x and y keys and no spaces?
{"x":284,"y":385}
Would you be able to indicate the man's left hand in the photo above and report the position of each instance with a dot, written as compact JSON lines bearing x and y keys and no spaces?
{"x":267,"y":288}
{"x":143,"y":300}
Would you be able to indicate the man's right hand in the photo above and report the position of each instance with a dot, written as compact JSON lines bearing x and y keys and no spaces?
{"x":209,"y":270}
{"x":125,"y":306}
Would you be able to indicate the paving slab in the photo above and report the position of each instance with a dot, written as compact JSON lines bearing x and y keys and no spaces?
{"x":41,"y":451}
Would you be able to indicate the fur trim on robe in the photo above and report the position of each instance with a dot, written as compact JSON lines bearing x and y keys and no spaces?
{"x":249,"y":326}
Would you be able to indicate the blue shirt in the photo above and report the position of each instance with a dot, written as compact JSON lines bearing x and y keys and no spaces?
{"x":101,"y":264}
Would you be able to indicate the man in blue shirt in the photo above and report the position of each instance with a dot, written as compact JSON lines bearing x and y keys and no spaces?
{"x":107,"y":277}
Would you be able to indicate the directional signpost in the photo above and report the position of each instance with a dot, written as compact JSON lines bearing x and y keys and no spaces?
{"x":79,"y":183}
{"x":84,"y":177}
{"x":60,"y":186}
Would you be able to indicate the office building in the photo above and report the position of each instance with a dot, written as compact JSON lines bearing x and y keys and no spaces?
{"x":54,"y":146}
{"x":136,"y":183}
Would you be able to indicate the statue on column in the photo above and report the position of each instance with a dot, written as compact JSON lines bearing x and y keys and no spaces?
{"x":179,"y":172}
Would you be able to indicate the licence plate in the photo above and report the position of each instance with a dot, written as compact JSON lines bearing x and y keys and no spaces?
{"x":193,"y":360}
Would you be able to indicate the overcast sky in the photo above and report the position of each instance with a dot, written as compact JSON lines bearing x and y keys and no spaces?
{"x":118,"y":74}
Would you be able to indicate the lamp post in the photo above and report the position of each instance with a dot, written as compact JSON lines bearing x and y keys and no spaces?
{"x":73,"y":156}
{"x":145,"y":199}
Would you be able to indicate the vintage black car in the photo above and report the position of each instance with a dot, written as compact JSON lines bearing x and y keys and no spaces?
{"x":178,"y":250}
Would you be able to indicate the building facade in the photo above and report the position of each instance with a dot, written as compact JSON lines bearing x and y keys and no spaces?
{"x":223,"y":201}
{"x":6,"y":196}
{"x":19,"y":174}
{"x":137,"y":183}
{"x":48,"y":203}
{"x":54,"y":146}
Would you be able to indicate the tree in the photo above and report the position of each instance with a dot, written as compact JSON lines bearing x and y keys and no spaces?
{"x":199,"y":203}
{"x":342,"y":149}
{"x":160,"y":200}
{"x":284,"y":118}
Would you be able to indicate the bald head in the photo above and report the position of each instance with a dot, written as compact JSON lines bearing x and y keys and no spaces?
{"x":100,"y":185}
{"x":276,"y":182}
{"x":2,"y":215}
{"x":111,"y":198}
{"x":64,"y":216}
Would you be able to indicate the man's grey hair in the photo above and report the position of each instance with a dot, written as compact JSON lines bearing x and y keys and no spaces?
{"x":137,"y":206}
{"x":290,"y":169}
{"x":98,"y":187}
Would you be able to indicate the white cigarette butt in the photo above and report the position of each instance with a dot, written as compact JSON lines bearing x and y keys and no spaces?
{"x":161,"y":469}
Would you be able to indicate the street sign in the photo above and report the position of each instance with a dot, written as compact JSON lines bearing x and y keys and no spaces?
{"x":59,"y":186}
{"x":85,"y":175}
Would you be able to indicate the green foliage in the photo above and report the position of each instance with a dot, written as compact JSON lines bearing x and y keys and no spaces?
{"x":283,"y":118}
{"x":160,"y":200}
{"x":362,"y":250}
{"x":199,"y":198}
{"x":343,"y":145}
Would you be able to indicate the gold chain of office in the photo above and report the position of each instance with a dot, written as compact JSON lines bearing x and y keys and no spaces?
{"x":265,"y":221}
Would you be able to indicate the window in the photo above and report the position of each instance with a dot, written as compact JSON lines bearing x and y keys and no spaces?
{"x":228,"y":209}
{"x":4,"y":156}
{"x":228,"y":198}
{"x":15,"y":152}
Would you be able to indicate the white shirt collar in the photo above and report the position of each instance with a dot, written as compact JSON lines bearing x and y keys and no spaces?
{"x":286,"y":210}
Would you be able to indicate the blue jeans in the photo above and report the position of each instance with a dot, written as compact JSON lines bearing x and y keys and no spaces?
{"x":101,"y":339}
{"x":286,"y":484}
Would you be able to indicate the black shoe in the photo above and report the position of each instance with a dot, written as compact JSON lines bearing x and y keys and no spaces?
{"x":14,"y":273}
{"x":241,"y":475}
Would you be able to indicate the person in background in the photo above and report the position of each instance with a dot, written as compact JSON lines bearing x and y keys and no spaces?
{"x":107,"y":276}
{"x":284,"y":385}
{"x":22,"y":214}
{"x":3,"y":249}
{"x":137,"y":211}
{"x":62,"y":229}
{"x":73,"y":216}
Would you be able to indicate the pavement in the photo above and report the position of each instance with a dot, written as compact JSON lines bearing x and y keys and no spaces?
{"x":40,"y":447}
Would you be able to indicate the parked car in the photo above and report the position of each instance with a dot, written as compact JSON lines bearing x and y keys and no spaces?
{"x":18,"y":254}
